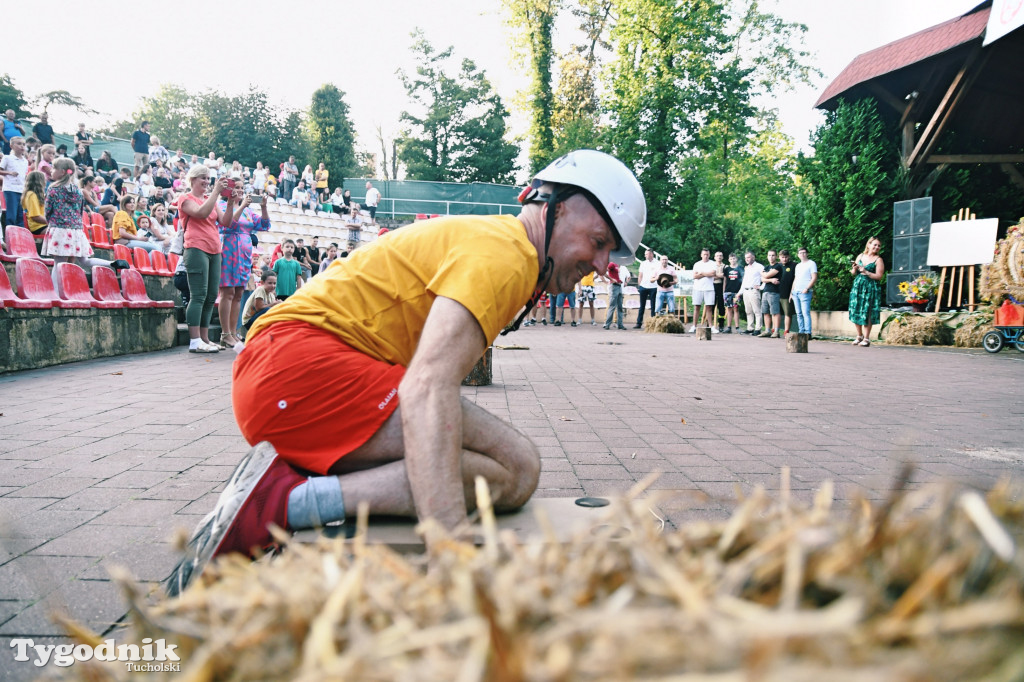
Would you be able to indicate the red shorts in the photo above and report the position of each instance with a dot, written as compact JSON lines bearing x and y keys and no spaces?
{"x":311,"y":395}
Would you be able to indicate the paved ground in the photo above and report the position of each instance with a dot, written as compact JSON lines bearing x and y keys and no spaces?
{"x":100,"y":461}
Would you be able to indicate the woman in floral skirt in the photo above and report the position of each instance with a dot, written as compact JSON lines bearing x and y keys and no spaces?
{"x":868,"y":269}
{"x":65,"y":238}
{"x":236,"y":263}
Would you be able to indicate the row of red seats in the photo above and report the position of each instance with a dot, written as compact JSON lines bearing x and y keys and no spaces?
{"x":146,"y":262}
{"x":35,"y":288}
{"x":424,"y":216}
{"x":20,"y":244}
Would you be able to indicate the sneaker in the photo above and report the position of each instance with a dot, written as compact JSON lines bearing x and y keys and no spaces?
{"x":544,"y":321}
{"x":607,"y":327}
{"x":715,"y":330}
{"x":727,"y":330}
{"x":558,"y":323}
{"x":574,"y":323}
{"x":764,"y":335}
{"x":691,"y":329}
{"x":621,"y":327}
{"x":212,"y":347}
{"x":255,"y":496}
{"x":201,"y":348}
{"x":776,"y":335}
{"x":637,"y":326}
{"x":593,"y":324}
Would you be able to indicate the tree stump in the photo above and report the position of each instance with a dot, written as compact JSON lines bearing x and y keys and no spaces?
{"x":797,"y":343}
{"x":480,"y":375}
{"x":703,"y":333}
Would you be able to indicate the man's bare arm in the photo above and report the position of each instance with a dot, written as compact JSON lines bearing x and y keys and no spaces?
{"x":451,"y":342}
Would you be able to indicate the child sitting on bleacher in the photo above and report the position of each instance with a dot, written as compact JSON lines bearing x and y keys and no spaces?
{"x":32,"y":202}
{"x":261,"y":300}
{"x":65,"y":237}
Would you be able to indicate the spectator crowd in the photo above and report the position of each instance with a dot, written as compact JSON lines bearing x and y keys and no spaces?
{"x":202,"y":209}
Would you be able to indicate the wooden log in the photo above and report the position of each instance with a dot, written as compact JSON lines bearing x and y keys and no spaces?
{"x":797,"y":343}
{"x":703,"y":333}
{"x":480,"y":375}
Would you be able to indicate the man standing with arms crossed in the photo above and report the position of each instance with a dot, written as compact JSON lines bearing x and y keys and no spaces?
{"x":771,"y":311}
{"x":704,"y":272}
{"x":398,"y":325}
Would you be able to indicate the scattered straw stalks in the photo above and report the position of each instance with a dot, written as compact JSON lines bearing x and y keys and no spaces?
{"x":925,"y":587}
{"x":918,"y":330}
{"x":664,"y":324}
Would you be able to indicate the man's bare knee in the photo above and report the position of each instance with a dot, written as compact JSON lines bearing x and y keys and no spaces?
{"x":524,"y":473}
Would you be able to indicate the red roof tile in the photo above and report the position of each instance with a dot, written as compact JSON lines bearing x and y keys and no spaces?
{"x":910,"y":50}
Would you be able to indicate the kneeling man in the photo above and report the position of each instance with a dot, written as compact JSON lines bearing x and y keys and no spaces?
{"x":351,"y":387}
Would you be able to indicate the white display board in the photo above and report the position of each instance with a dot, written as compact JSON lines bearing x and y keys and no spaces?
{"x":962,"y":242}
{"x":685,"y":285}
{"x":1005,"y":17}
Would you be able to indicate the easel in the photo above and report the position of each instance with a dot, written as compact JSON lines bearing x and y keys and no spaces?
{"x":958,"y":277}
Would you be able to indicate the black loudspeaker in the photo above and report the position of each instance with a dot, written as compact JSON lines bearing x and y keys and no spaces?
{"x":911,"y":231}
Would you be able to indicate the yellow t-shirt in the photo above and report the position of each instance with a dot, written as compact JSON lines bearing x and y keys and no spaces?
{"x":122,"y":223}
{"x":321,"y":178}
{"x":377,"y":299}
{"x":35,"y":219}
{"x":588,"y":281}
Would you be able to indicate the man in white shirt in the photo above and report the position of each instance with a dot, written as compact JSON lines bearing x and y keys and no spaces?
{"x":804,"y":279}
{"x":371,"y":201}
{"x":704,"y":272}
{"x":647,"y":285}
{"x":300,"y":197}
{"x":751,"y":290}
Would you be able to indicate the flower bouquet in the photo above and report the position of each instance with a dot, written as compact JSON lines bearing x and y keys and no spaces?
{"x":918,"y":290}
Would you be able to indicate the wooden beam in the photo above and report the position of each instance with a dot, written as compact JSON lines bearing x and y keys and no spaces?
{"x":954,"y":93}
{"x":975,"y":158}
{"x":1015,"y":175}
{"x":901,"y":106}
{"x":922,"y":187}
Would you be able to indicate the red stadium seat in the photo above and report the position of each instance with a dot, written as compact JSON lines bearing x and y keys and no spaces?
{"x":435,"y":215}
{"x":159,"y":263}
{"x":97,"y":219}
{"x":104,"y":284}
{"x":73,"y":286}
{"x":421,"y":216}
{"x":103,"y":237}
{"x":142,"y":261}
{"x":122,"y":252}
{"x":20,"y":244}
{"x":134,"y":290}
{"x":12,"y":300}
{"x":172,"y":261}
{"x":35,"y":283}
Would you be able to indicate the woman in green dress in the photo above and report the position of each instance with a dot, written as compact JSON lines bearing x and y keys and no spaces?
{"x":866,"y":297}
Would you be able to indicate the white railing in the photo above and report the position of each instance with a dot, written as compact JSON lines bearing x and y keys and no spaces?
{"x":438,"y":203}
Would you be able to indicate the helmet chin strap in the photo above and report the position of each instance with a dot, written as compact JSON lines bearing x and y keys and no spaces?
{"x":544,"y":276}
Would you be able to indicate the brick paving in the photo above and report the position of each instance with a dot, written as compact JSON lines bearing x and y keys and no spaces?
{"x":101,"y":461}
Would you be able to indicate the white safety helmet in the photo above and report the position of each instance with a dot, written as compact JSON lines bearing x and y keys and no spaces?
{"x":611,"y":183}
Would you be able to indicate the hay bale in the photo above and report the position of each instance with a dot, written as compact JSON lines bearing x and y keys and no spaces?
{"x":969,"y":336}
{"x":664,"y":324}
{"x":927,"y":586}
{"x":918,"y":330}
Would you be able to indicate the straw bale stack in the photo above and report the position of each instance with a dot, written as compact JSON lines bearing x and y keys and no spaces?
{"x":919,"y":330}
{"x":664,"y":324}
{"x":970,"y":336}
{"x":925,"y":587}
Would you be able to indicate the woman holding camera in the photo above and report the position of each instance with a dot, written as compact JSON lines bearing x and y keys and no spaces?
{"x":868,"y":268}
{"x":201,"y":216}
{"x":236,"y":262}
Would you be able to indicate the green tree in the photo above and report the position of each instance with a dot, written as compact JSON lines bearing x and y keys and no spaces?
{"x":853,"y":179}
{"x":11,"y":97}
{"x":62,"y":98}
{"x":332,"y":137}
{"x":533,"y":23}
{"x":457,"y":132}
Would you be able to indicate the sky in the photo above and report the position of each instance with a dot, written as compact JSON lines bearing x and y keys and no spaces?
{"x":288,"y":49}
